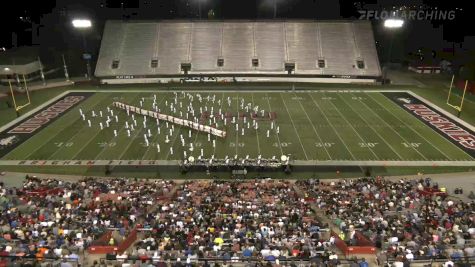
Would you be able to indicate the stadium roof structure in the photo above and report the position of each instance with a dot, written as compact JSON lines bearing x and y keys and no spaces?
{"x":21,"y":60}
{"x":309,"y":48}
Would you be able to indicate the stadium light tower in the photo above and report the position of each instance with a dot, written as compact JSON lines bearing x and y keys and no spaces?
{"x":199,"y":8}
{"x":82,"y":25}
{"x":391,"y":24}
{"x":275,"y":9}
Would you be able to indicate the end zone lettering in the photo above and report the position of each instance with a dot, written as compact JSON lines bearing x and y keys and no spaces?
{"x":46,"y":115}
{"x":444,"y":125}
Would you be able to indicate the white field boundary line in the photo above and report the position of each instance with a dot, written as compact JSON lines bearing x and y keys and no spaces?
{"x":295,"y":163}
{"x":389,"y":163}
{"x":39,"y":107}
{"x":372,"y":128}
{"x":443,"y":111}
{"x":394,"y":130}
{"x":277,"y":135}
{"x":347,"y":122}
{"x":33,"y":111}
{"x":233,"y":91}
{"x":331,"y":125}
{"x":94,"y":138}
{"x":293,"y":124}
{"x":451,"y":116}
{"x":71,"y":137}
{"x":257,"y":132}
{"x":412,"y":129}
{"x":52,"y":136}
{"x":313,"y":126}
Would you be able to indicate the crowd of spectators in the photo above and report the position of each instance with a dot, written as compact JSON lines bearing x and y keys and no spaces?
{"x":407,"y":219}
{"x":229,"y":220}
{"x":258,"y":219}
{"x":49,"y":218}
{"x":252,"y":220}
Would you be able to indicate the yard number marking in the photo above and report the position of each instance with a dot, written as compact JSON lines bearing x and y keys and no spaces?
{"x":64,"y":144}
{"x":411,"y":145}
{"x":324,"y":144}
{"x":106,"y":144}
{"x":232,"y":144}
{"x":369,"y":145}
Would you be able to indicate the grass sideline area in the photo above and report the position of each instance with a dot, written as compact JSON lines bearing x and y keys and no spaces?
{"x":38,"y":97}
{"x":436,"y":93}
{"x":318,"y":125}
{"x":160,"y":173}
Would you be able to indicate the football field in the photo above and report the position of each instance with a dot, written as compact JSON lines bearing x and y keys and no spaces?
{"x":320,"y":126}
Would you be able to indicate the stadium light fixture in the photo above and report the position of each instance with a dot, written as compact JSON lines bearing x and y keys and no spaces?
{"x":393,"y":23}
{"x":199,"y":7}
{"x":6,"y":69}
{"x":82,"y":23}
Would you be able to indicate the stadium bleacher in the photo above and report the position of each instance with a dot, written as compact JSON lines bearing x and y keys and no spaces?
{"x":259,"y":220}
{"x":259,"y":48}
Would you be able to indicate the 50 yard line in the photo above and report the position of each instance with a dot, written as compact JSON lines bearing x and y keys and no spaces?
{"x":257,"y":132}
{"x":278,"y":138}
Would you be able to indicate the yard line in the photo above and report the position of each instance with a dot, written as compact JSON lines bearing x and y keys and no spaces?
{"x":220,"y":107}
{"x":278,"y":138}
{"x":237,"y":121}
{"x":156,"y":135}
{"x":91,"y":139}
{"x":369,"y":124}
{"x":315,"y":130}
{"x":118,"y":134}
{"x":130,"y":143}
{"x":292,"y":121}
{"x":174,"y":140}
{"x":332,"y":126}
{"x":445,"y":155}
{"x":387,"y":124}
{"x":257,"y":132}
{"x":52,"y":137}
{"x":351,"y":126}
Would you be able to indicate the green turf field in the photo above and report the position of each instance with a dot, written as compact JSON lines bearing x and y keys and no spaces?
{"x":317,"y":125}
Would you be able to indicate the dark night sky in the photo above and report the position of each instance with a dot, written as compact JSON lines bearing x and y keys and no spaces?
{"x":51,"y":18}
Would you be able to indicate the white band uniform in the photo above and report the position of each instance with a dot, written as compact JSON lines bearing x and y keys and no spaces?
{"x":187,"y":123}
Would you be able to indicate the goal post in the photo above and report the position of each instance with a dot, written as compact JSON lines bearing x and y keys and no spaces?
{"x":15,"y":104}
{"x":454,"y":106}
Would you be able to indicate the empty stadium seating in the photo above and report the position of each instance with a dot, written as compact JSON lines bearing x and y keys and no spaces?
{"x":238,"y":47}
